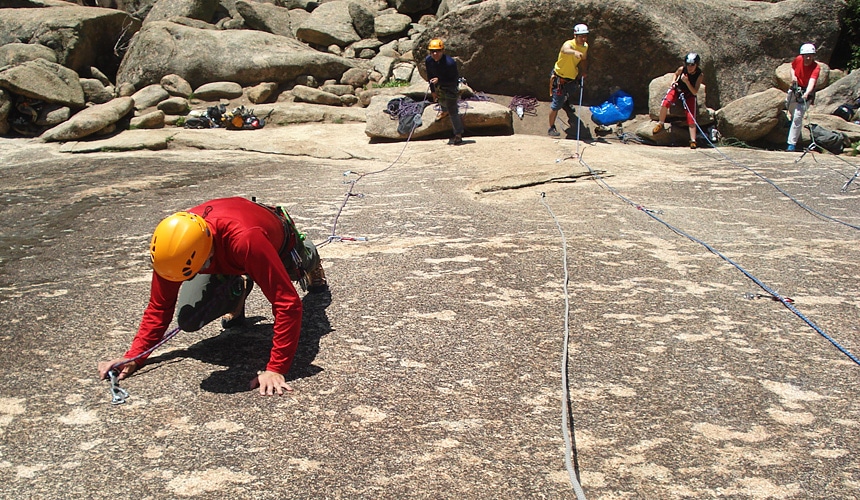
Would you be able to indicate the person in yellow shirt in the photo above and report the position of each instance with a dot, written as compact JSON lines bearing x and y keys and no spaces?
{"x":568,"y":73}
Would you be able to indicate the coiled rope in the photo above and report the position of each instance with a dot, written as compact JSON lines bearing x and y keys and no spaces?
{"x":349,"y":192}
{"x":566,"y":417}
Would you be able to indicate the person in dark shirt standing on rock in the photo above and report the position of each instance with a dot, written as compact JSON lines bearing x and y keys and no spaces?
{"x":445,"y":86}
{"x":207,"y":260}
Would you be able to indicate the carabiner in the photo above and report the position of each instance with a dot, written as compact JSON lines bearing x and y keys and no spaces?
{"x":119,"y":395}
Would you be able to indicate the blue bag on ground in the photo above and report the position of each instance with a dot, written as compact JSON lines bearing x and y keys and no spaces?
{"x":618,"y":108}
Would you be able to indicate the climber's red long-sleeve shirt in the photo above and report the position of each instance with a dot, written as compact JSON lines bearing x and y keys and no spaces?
{"x":247,"y":238}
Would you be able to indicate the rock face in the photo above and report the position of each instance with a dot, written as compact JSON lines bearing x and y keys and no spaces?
{"x":479,"y":115}
{"x":45,"y":81}
{"x":751,"y":117}
{"x":90,"y":120}
{"x":506,"y":48}
{"x":80,"y":37}
{"x":203,"y":56}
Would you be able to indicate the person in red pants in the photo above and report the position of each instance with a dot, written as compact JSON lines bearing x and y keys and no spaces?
{"x":688,"y":80}
{"x":206,"y":260}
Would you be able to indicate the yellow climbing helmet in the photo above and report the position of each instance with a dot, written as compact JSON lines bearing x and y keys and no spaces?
{"x":436,"y":44}
{"x":180,"y":246}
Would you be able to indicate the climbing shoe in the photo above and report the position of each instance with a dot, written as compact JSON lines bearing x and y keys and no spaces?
{"x":553,"y":132}
{"x":791,"y":148}
{"x":318,"y":282}
{"x":442,"y":115}
{"x":234,"y":319}
{"x":657,"y":128}
{"x":455,"y":141}
{"x":693,"y":145}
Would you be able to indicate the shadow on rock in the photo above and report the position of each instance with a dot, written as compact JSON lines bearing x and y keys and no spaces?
{"x":245,"y":350}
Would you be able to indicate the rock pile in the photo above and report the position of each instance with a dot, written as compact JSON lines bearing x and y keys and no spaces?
{"x":59,"y":58}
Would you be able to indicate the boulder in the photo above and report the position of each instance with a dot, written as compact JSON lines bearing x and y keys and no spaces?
{"x":151,"y":120}
{"x":174,"y":106}
{"x":5,"y":107}
{"x":95,"y":91}
{"x":266,"y":17}
{"x":330,"y":23}
{"x":149,"y":96}
{"x":338,"y":90}
{"x":356,"y":77}
{"x":45,"y":81}
{"x":315,"y":96}
{"x":262,"y":92}
{"x":390,"y":26}
{"x":479,"y":115}
{"x":218,"y":90}
{"x":846,"y":90}
{"x":90,"y":120}
{"x":362,"y":19}
{"x":751,"y":117}
{"x":175,"y":85}
{"x":202,"y":56}
{"x":633,"y":42}
{"x":80,"y":37}
{"x":412,"y":6}
{"x":16,"y":53}
{"x":163,"y":10}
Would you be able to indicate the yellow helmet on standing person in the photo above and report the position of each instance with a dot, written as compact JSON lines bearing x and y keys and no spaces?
{"x":180,"y":246}
{"x":436,"y":44}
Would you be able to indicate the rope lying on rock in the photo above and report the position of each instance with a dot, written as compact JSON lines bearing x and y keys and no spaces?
{"x":524,"y":105}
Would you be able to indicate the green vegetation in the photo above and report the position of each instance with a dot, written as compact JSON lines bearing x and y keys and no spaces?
{"x":401,"y":83}
{"x":847,"y":53}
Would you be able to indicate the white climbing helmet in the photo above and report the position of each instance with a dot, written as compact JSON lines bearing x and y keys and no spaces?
{"x":807,"y":48}
{"x":580,"y":29}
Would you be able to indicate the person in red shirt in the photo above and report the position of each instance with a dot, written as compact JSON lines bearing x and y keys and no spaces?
{"x":804,"y":74}
{"x":207,"y":259}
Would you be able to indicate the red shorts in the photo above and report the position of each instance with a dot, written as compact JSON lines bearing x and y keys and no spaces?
{"x":674,"y":96}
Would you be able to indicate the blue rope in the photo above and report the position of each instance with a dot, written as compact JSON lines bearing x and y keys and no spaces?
{"x":786,"y":302}
{"x":785,"y":193}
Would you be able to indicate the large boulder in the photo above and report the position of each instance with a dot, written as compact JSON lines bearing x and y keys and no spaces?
{"x":266,"y":17}
{"x":329,"y":24}
{"x":163,"y":10}
{"x":90,"y":120}
{"x":479,"y":115}
{"x":203,"y":56}
{"x":507,"y":48}
{"x":16,"y":53}
{"x":45,"y":81}
{"x":751,"y":117}
{"x":846,"y":90}
{"x":81,"y":37}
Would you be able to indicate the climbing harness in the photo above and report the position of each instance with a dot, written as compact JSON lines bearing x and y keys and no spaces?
{"x":567,"y":424}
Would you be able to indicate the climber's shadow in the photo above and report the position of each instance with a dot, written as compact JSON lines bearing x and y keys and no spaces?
{"x":245,"y":350}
